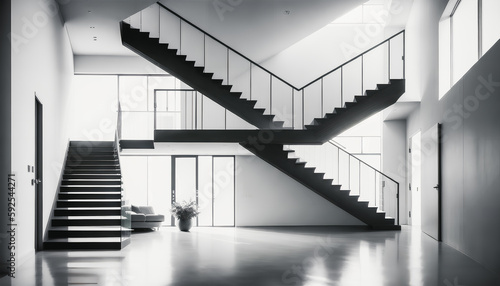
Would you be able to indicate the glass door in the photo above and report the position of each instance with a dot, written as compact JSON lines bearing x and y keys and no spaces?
{"x":210,"y":182}
{"x":185,"y":179}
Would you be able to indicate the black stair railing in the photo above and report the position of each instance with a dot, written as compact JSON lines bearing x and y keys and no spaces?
{"x":352,"y":174}
{"x":296,"y":106}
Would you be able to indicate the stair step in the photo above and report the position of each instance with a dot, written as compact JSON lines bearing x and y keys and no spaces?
{"x":112,"y":162}
{"x":381,"y":86}
{"x":87,"y":144}
{"x":218,"y":81}
{"x":91,"y":171}
{"x":360,"y":98}
{"x":88,"y":203}
{"x":89,"y":196}
{"x":84,"y":231}
{"x":92,"y":176}
{"x":340,"y":110}
{"x":101,"y":243}
{"x":227,"y":87}
{"x":350,"y":104}
{"x":77,"y":157}
{"x":200,"y":69}
{"x":87,"y":212}
{"x":97,"y":168}
{"x":90,"y":188}
{"x":208,"y":75}
{"x":86,"y":221}
{"x":93,"y":182}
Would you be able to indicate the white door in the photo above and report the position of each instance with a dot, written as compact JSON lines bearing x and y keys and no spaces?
{"x":431,"y":188}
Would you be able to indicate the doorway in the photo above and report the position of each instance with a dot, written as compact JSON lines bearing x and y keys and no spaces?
{"x":38,"y":175}
{"x":210,"y":181}
{"x":431,"y":182}
{"x":414,"y":187}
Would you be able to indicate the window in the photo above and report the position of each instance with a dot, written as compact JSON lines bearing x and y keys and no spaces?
{"x":465,"y":34}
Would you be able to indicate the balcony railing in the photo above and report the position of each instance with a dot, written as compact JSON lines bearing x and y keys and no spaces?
{"x":297,"y":106}
{"x":352,"y":174}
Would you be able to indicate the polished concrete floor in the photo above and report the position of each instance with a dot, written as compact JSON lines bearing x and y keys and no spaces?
{"x":262,"y":256}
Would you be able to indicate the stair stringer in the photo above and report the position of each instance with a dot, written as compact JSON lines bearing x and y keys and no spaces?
{"x":186,"y":71}
{"x":277,"y":157}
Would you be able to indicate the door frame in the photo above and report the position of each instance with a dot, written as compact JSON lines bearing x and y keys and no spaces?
{"x":410,"y":187}
{"x":38,"y":174}
{"x":174,"y":191}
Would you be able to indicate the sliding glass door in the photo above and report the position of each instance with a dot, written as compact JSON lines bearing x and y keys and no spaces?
{"x":223,"y":191}
{"x":208,"y":180}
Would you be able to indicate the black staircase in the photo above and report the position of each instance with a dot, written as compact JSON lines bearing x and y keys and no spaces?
{"x":277,"y":157}
{"x":88,"y":212}
{"x":319,"y":131}
{"x":177,"y":65}
{"x":267,"y":142}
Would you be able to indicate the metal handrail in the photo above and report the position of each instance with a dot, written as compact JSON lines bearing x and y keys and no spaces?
{"x":331,"y":142}
{"x":358,"y":56}
{"x":271,"y":73}
{"x":368,"y":165}
{"x":226,"y":46}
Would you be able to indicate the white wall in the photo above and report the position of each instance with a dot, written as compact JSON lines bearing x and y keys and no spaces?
{"x":42,"y":62}
{"x":5,"y":124}
{"x":394,"y":160}
{"x":114,"y":65}
{"x":321,"y":52}
{"x":92,"y":112}
{"x":267,"y":197}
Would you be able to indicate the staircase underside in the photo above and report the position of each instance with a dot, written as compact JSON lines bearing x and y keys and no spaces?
{"x":137,"y":144}
{"x":237,"y":136}
{"x":321,"y":131}
{"x":177,"y":65}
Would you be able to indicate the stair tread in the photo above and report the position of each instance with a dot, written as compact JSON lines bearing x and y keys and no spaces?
{"x":87,"y":228}
{"x":92,"y":193}
{"x":90,"y":200}
{"x":87,"y":208}
{"x":85,"y":239}
{"x":87,"y":217}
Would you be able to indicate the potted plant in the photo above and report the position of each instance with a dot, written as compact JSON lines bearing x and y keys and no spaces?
{"x":184,"y":212}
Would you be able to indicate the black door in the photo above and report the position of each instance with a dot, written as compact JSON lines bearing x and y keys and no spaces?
{"x":38,"y":175}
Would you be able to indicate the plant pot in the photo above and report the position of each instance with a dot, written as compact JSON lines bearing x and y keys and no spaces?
{"x":184,"y":224}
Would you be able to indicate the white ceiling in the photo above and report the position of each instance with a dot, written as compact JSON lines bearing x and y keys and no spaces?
{"x":258,"y":28}
{"x":105,"y":16}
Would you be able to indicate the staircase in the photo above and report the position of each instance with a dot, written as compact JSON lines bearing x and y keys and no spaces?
{"x":320,"y":130}
{"x":363,"y":106}
{"x":88,"y":212}
{"x":177,"y":65}
{"x":275,"y":155}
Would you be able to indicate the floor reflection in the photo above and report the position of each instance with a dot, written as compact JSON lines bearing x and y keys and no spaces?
{"x":262,"y":256}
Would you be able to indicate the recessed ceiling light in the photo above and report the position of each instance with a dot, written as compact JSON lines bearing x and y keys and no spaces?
{"x":286,"y":12}
{"x":90,"y":11}
{"x":92,"y":27}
